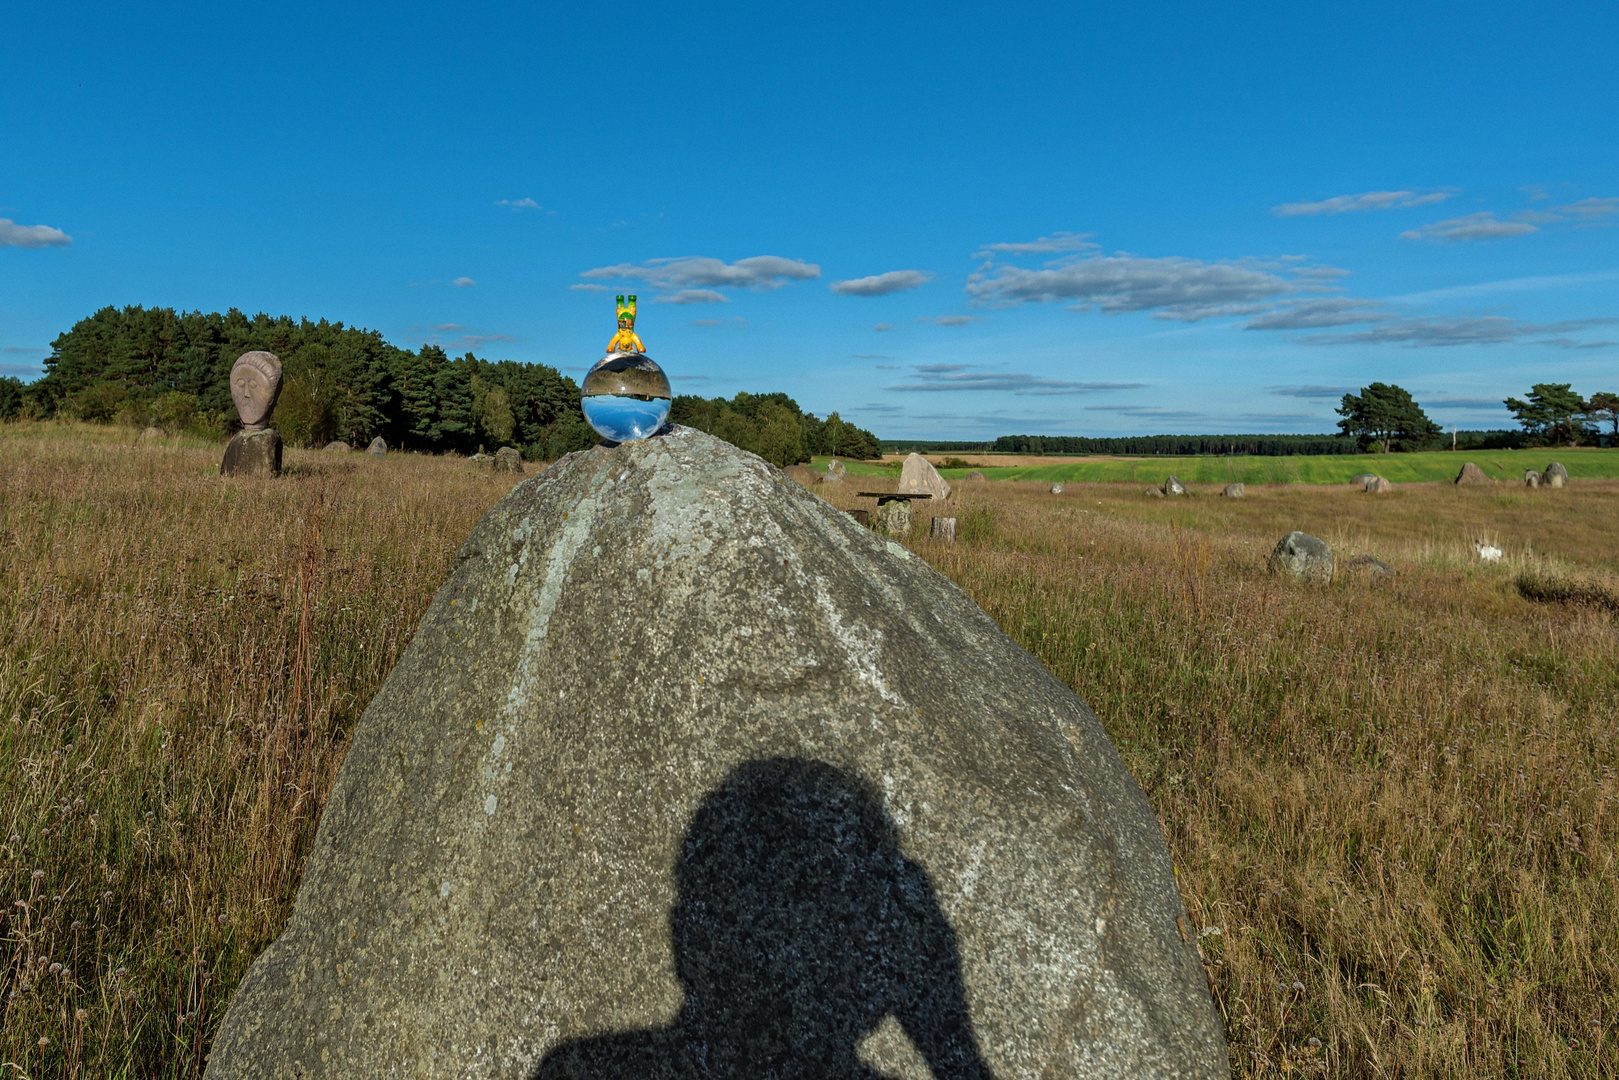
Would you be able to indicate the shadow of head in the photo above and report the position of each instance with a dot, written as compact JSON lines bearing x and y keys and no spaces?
{"x":797,"y":929}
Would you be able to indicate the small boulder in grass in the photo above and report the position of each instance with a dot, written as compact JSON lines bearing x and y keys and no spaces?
{"x":1472,"y":474}
{"x":338,"y":446}
{"x":379,"y":446}
{"x":1555,"y":475}
{"x":1155,"y":493}
{"x":1173,"y":486}
{"x":507,"y":459}
{"x":1531,"y":478}
{"x":1234,"y":491}
{"x":1378,"y":486}
{"x":1303,"y":557}
{"x":1057,"y":489}
{"x":1365,"y":564}
{"x":974,"y":476}
{"x":1360,"y":480}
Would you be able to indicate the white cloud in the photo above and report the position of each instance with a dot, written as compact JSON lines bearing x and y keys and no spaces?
{"x":1046,"y":245}
{"x":882,"y":284}
{"x":21,"y":349}
{"x":588,"y":288}
{"x":953,"y":377}
{"x":1171,"y":288}
{"x":1438,"y":331}
{"x":448,"y":326}
{"x":1588,"y":209}
{"x":518,"y":204}
{"x":463,"y":282}
{"x":882,"y":326}
{"x":1317,"y":314}
{"x":1366,"y":200}
{"x":1147,"y":411}
{"x":950,"y":320}
{"x":707,"y":322}
{"x":760,"y":272}
{"x":692,"y":296}
{"x":1480,"y":226}
{"x":1312,"y":391}
{"x":31,"y":236}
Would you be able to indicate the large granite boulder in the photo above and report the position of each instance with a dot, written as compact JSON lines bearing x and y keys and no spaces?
{"x":918,"y":475}
{"x":1377,"y":485}
{"x":1555,"y":475}
{"x":686,"y":774}
{"x":1302,"y":556}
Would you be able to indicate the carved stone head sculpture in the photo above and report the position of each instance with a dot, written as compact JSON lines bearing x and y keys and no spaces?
{"x":255,"y":381}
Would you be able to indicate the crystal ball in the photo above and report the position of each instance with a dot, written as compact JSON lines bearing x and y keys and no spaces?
{"x":626,"y":396}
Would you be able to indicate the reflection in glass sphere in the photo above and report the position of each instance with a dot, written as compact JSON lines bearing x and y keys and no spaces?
{"x":626,"y":396}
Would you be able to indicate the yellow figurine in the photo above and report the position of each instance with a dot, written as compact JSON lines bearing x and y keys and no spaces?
{"x":625,"y":340}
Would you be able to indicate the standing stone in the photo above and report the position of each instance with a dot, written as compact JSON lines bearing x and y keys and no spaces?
{"x":338,"y":446}
{"x":253,"y":453}
{"x":1155,"y":493}
{"x":684,"y":773}
{"x":1234,"y":491}
{"x":1360,"y":480}
{"x":1057,"y":489}
{"x":255,"y":383}
{"x":894,"y":518}
{"x":379,"y":446}
{"x":1472,"y":474}
{"x":1305,"y":557}
{"x":1173,"y":486}
{"x":1378,"y":486}
{"x":944,"y":529}
{"x":1531,"y":478}
{"x":836,"y":468}
{"x":974,"y":476}
{"x":1556,"y":475}
{"x":918,"y":475}
{"x":508,"y":459}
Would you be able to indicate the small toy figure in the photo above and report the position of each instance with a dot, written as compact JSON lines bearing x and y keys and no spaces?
{"x":625,"y":340}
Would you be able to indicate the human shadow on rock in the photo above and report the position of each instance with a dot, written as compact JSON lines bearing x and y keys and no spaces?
{"x":797,"y":928}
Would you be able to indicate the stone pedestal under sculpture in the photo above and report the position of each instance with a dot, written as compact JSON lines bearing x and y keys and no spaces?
{"x":255,"y":383}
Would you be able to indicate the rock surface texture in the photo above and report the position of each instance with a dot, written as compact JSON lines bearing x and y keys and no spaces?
{"x":379,"y":446}
{"x":253,"y":453}
{"x":1173,"y":486}
{"x":918,"y":475}
{"x":894,"y":518}
{"x":1306,"y":557}
{"x":1472,"y":474}
{"x":685,"y":774}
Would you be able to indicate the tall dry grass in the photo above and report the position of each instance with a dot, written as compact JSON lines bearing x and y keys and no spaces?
{"x":1390,"y":801}
{"x":181,"y":661}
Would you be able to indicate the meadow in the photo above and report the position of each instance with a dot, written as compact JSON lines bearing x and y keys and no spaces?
{"x":1216,"y":472}
{"x":1388,"y":799}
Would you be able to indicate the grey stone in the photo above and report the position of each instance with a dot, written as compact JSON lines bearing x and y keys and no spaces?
{"x":1305,"y":557}
{"x":682,"y":766}
{"x":338,"y":446}
{"x":1378,"y":486}
{"x":1234,"y":491}
{"x":255,"y":383}
{"x":944,"y":529}
{"x":894,"y":518}
{"x":253,"y":453}
{"x":918,"y":474}
{"x":378,"y":446}
{"x":836,"y":468}
{"x":1360,"y":480}
{"x":1155,"y":493}
{"x":1472,"y":474}
{"x":1173,"y":486}
{"x":1057,"y":489}
{"x":508,"y":459}
{"x":1555,"y":475}
{"x":1365,"y":564}
{"x":1531,"y":478}
{"x":974,"y":476}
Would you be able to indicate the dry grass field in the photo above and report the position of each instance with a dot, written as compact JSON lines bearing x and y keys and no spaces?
{"x":1389,"y":800}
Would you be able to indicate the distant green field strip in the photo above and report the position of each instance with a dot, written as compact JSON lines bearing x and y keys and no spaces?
{"x":1305,"y":469}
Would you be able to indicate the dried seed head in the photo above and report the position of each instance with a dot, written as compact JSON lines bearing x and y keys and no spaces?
{"x":44,"y":1041}
{"x":55,"y":969}
{"x":82,"y":1014}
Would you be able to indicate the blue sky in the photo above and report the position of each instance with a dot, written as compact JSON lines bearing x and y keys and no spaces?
{"x":943,"y":220}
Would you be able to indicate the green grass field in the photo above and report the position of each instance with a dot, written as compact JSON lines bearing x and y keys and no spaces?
{"x":1509,"y":465}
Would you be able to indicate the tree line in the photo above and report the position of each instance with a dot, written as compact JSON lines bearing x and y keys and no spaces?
{"x":1180,"y":445}
{"x":1384,"y":417}
{"x":161,"y":367}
